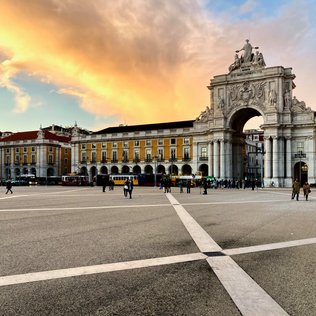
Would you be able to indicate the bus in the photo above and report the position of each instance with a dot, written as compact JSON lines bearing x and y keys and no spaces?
{"x":75,"y":180}
{"x":51,"y":180}
{"x":119,"y":179}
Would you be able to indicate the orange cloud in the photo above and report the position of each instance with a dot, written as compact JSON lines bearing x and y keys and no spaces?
{"x":143,"y":61}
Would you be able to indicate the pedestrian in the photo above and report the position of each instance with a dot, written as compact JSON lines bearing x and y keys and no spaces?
{"x":188,"y":186}
{"x":103,"y":181}
{"x":9,"y":187}
{"x":130,"y":188}
{"x":181,"y":186}
{"x":125,"y":187}
{"x":111,"y":185}
{"x":205,"y":187}
{"x":296,"y":189}
{"x":306,"y":190}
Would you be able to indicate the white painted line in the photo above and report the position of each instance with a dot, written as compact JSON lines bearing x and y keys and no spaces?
{"x":248,"y":296}
{"x":235,"y":202}
{"x":202,"y":239}
{"x":82,"y":208}
{"x":102,"y":268}
{"x":12,"y":196}
{"x":280,"y":245}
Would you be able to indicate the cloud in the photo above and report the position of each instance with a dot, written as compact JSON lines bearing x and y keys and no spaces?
{"x":143,"y":61}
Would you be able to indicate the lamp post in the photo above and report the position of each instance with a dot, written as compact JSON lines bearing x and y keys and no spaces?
{"x":155,"y":162}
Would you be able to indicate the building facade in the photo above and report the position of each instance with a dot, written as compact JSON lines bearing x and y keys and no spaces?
{"x":40,"y":152}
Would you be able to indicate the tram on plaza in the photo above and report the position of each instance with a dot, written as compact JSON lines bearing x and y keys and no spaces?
{"x":75,"y":180}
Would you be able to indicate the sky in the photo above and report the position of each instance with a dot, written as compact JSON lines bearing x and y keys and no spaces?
{"x":103,"y":63}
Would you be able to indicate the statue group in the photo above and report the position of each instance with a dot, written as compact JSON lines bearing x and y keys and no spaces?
{"x":247,"y":58}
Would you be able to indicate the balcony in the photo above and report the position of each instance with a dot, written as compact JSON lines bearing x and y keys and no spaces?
{"x":114,"y":161}
{"x":136,"y":160}
{"x":83,"y":162}
{"x":125,"y":160}
{"x":103,"y":161}
{"x":148,"y":160}
{"x":203,"y":158}
{"x":172,"y":159}
{"x":186,"y":158}
{"x":93,"y":161}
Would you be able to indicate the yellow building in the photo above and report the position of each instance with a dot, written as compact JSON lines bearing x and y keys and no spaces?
{"x":165,"y":148}
{"x":41,"y":153}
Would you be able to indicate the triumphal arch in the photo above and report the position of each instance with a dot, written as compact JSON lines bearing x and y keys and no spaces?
{"x":249,"y":89}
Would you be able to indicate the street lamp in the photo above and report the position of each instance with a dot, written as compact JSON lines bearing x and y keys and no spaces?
{"x":155,"y":162}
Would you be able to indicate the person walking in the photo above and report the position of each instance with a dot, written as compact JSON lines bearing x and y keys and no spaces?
{"x":181,"y":186}
{"x":296,"y":189}
{"x":103,"y":181}
{"x":306,"y":190}
{"x":125,"y":187}
{"x":9,"y":187}
{"x":205,"y":187}
{"x":130,"y":188}
{"x":188,"y":186}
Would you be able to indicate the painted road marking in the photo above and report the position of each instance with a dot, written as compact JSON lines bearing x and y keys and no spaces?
{"x":202,"y":239}
{"x":82,"y":208}
{"x":248,"y":296}
{"x":279,"y":245}
{"x":102,"y":268}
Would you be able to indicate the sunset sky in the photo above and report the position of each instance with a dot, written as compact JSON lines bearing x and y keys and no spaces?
{"x":108,"y":62}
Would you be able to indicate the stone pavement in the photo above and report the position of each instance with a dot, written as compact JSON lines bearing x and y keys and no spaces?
{"x":79,"y":251}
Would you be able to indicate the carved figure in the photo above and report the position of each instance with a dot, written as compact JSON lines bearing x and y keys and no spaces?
{"x":261,"y":60}
{"x":221,"y":102}
{"x":247,"y":48}
{"x":287,"y":99}
{"x":235,"y":64}
{"x":272,"y":97}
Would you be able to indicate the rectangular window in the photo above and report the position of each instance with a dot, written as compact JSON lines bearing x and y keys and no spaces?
{"x":186,"y":141}
{"x":33,"y":149}
{"x":114,"y":145}
{"x":136,"y":155}
{"x":148,"y":155}
{"x":25,"y":149}
{"x":93,"y":146}
{"x":17,"y":149}
{"x":204,"y":152}
{"x":114,"y":155}
{"x":8,"y":159}
{"x":125,"y":144}
{"x":25,"y":159}
{"x":136,"y":143}
{"x":186,"y":153}
{"x":66,"y":151}
{"x":300,"y":147}
{"x":103,"y":157}
{"x":148,"y":142}
{"x":33,"y":159}
{"x":8,"y":150}
{"x":83,"y":146}
{"x":172,"y":154}
{"x":160,"y":153}
{"x":93,"y":156}
{"x":50,"y":159}
{"x":103,"y":145}
{"x":160,"y":142}
{"x":50,"y":148}
{"x":172,"y":141}
{"x":125,"y":155}
{"x":83,"y":157}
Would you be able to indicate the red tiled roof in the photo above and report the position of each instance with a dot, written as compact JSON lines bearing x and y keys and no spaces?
{"x":33,"y":135}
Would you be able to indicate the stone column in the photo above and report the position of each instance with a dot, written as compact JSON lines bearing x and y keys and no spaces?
{"x":275,"y":157}
{"x":229,"y":160}
{"x":281,"y":157}
{"x":210,"y":159}
{"x":288,"y":157}
{"x":222,"y":159}
{"x":216,"y":159}
{"x":267,"y":160}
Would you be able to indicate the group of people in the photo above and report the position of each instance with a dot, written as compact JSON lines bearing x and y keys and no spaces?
{"x":296,"y":188}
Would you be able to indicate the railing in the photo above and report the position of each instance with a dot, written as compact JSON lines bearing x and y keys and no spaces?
{"x":204,"y":158}
{"x":114,"y":160}
{"x":186,"y":158}
{"x":148,"y":160}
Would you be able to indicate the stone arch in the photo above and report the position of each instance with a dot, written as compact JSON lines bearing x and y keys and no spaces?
{"x":50,"y":172}
{"x":301,"y":172}
{"x":114,"y":170}
{"x":161,"y":169}
{"x":204,"y":169}
{"x":84,"y":171}
{"x":173,"y":169}
{"x":125,"y":169}
{"x":93,"y":172}
{"x":148,"y":169}
{"x":33,"y":171}
{"x":25,"y":170}
{"x":104,"y":170}
{"x":186,"y":170}
{"x":137,"y":169}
